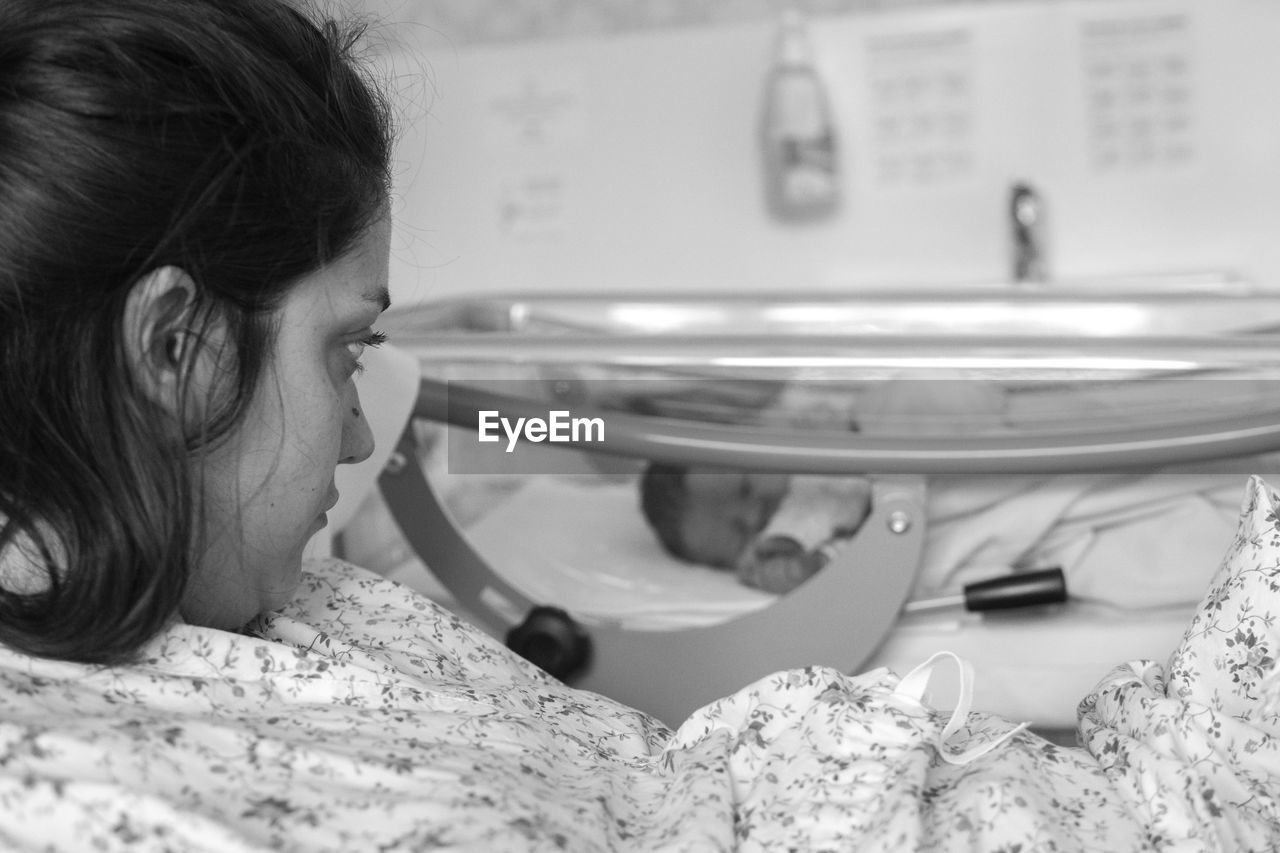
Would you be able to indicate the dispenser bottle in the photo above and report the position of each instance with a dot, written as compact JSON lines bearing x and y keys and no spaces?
{"x":797,"y":134}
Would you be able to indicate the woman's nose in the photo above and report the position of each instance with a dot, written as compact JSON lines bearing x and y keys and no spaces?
{"x":357,"y":436}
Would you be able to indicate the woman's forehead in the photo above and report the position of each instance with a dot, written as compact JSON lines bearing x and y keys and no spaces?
{"x":354,"y":284}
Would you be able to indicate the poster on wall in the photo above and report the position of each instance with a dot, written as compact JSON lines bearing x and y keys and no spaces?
{"x":1138,"y":80}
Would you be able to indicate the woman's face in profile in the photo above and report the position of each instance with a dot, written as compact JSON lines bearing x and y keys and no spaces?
{"x":269,"y":485}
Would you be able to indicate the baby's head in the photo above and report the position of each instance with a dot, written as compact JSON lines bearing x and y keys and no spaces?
{"x":709,"y":515}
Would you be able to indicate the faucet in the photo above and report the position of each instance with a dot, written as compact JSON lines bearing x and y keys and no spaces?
{"x":1026,"y":216}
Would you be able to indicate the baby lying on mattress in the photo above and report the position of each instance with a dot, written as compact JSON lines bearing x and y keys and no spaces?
{"x":777,"y":531}
{"x":774,"y":531}
{"x":1127,"y":539}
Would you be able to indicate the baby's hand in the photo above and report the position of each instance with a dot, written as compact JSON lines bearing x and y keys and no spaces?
{"x":778,"y":564}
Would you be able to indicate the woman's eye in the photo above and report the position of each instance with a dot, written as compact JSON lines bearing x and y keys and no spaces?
{"x":356,"y":349}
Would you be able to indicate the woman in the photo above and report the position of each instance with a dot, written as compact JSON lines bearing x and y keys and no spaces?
{"x":192,"y":260}
{"x":222,"y":171}
{"x":194,"y":255}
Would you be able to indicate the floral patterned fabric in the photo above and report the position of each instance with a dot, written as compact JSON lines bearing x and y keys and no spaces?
{"x":1194,"y":746}
{"x":364,"y":717}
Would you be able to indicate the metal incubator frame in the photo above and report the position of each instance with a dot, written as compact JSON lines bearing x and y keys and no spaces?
{"x":669,"y":673}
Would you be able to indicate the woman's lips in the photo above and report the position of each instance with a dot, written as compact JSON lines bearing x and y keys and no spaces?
{"x":323,"y":517}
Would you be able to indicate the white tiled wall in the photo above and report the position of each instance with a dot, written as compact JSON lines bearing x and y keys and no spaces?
{"x":622,"y":154}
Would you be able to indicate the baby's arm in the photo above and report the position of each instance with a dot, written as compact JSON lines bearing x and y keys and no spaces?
{"x":797,"y":542}
{"x":778,"y":564}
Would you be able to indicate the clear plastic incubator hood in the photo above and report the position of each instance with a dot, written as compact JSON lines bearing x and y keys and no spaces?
{"x":903,"y":390}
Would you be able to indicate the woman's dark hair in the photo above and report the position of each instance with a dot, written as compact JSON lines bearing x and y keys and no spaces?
{"x":238,"y":140}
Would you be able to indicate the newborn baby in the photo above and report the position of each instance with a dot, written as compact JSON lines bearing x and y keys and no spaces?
{"x":774,"y":530}
{"x":777,"y":531}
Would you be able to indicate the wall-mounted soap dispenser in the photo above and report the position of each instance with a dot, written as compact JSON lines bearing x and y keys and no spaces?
{"x":801,"y":169}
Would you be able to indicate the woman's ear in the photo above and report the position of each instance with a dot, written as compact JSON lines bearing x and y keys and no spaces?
{"x":159,"y":341}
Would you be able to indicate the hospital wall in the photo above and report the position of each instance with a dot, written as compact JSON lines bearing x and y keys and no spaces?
{"x":629,"y":159}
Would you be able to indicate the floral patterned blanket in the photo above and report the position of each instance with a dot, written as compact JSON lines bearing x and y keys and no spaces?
{"x":363,"y":717}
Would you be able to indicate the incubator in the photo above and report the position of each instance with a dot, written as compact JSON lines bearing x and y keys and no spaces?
{"x":1104,"y":433}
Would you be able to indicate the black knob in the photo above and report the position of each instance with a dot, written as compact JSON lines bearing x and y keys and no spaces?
{"x":1020,"y":589}
{"x":551,"y":639}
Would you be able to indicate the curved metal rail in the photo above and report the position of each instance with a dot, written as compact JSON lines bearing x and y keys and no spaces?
{"x":830,"y":452}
